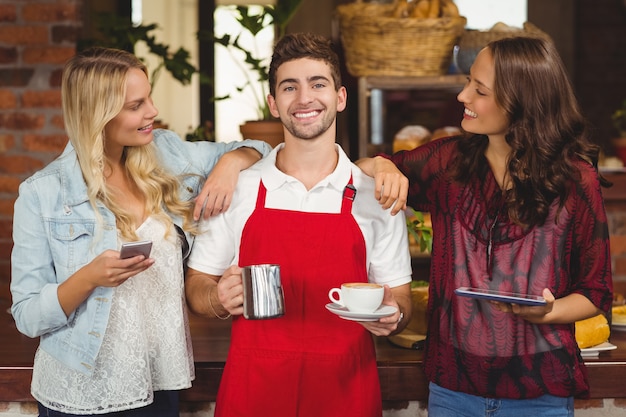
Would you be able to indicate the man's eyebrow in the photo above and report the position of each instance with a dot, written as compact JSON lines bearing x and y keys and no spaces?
{"x":313,"y":78}
{"x":318,"y":77}
{"x":288,"y":81}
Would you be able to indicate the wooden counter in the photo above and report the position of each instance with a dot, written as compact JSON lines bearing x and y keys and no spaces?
{"x":401,"y":375}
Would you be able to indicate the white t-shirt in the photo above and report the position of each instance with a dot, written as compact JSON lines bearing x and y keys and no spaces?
{"x":386,"y":240}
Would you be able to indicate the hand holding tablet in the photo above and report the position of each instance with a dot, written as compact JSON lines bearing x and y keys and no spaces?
{"x":500,"y":296}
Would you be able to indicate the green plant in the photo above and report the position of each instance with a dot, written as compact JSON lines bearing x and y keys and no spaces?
{"x":252,"y":20}
{"x":118,"y":32}
{"x":419,"y":230}
{"x":619,"y":119}
{"x":419,"y":283}
{"x":204,"y":132}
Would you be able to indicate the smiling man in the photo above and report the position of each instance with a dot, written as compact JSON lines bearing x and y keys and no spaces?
{"x":307,"y":208}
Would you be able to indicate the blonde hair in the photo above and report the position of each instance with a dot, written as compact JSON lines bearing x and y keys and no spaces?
{"x":93,"y":93}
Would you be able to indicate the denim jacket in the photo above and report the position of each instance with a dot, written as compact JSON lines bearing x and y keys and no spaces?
{"x":55,"y":234}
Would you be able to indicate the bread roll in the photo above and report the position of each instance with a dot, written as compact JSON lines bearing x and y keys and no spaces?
{"x":421,"y":9}
{"x":435,"y":9}
{"x":401,"y":9}
{"x":449,"y":9}
{"x":592,"y":331}
{"x":446,"y":131}
{"x":410,"y":137}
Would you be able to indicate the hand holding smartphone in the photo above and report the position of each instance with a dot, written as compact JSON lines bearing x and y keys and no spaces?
{"x":503,"y":297}
{"x":131,"y":249}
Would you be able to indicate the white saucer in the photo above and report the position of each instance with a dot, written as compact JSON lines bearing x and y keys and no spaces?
{"x":594,"y":351}
{"x":343,"y":312}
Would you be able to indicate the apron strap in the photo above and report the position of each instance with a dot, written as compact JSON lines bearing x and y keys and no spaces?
{"x":348,"y":197}
{"x":260,"y":198}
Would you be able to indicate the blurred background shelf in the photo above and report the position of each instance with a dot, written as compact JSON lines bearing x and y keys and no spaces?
{"x":374,"y":134}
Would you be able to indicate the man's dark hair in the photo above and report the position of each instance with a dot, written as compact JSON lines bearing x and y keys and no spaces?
{"x":304,"y":45}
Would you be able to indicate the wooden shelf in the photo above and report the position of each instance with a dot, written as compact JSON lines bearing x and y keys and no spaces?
{"x":371,"y":103}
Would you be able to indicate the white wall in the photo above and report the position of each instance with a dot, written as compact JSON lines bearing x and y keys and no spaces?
{"x":229,"y":75}
{"x":484,"y":14}
{"x":179,"y":106}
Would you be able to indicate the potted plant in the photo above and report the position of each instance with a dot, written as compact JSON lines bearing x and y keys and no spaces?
{"x":252,"y":20}
{"x":204,"y":132}
{"x":420,"y":232}
{"x":118,"y":32}
{"x":114,"y":31}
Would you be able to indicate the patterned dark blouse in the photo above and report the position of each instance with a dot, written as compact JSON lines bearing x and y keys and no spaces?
{"x":471,"y":346}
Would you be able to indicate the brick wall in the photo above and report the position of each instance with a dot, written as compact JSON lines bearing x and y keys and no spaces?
{"x":36,"y":38}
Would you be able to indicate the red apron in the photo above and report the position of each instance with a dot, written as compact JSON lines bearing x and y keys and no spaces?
{"x":308,"y":362}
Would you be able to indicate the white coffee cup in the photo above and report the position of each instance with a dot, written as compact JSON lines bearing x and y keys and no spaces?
{"x":358,"y":297}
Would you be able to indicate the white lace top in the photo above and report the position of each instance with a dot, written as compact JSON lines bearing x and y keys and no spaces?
{"x":146,"y":348}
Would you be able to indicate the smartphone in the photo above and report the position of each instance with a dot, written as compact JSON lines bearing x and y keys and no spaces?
{"x":131,"y":249}
{"x":503,"y":297}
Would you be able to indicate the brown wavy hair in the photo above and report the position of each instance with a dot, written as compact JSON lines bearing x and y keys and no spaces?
{"x":547,"y":131}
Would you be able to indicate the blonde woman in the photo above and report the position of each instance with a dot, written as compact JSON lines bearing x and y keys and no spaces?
{"x":114,"y":334}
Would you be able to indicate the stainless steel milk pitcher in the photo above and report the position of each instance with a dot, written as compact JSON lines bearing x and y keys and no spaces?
{"x":263,"y":296}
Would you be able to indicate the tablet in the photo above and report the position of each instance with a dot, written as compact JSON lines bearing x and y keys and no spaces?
{"x":503,"y":297}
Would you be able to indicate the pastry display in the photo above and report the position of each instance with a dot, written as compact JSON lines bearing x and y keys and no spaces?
{"x":618,"y":299}
{"x":413,"y":335}
{"x":410,"y":137}
{"x":419,"y":298}
{"x":619,"y":314}
{"x":619,"y":309}
{"x":446,"y":131}
{"x":611,"y":162}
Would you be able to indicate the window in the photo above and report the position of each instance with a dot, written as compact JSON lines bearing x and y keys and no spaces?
{"x":484,"y":14}
{"x":229,"y":75}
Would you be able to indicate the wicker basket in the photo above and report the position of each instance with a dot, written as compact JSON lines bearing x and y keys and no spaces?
{"x":480,"y":38}
{"x":472,"y":41}
{"x":376,"y":43}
